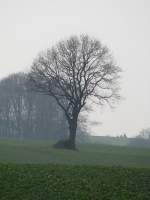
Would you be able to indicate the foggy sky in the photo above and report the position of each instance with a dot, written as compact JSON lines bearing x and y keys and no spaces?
{"x":27,"y":27}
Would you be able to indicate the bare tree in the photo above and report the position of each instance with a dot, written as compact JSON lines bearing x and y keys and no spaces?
{"x":74,"y":71}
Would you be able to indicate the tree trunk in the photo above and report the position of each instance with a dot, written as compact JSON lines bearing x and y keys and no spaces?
{"x":70,"y":143}
{"x":72,"y":134}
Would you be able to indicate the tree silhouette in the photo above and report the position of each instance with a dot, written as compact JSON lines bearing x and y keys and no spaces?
{"x":73,"y":72}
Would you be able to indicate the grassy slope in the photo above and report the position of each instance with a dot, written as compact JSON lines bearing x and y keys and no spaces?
{"x":15,"y":151}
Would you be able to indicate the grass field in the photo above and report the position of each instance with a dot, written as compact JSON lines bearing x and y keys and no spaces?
{"x":15,"y":151}
{"x":33,"y":170}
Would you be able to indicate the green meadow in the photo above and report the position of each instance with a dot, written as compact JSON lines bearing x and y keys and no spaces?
{"x":42,"y":152}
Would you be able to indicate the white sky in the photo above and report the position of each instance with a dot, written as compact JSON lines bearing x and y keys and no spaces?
{"x":29,"y":26}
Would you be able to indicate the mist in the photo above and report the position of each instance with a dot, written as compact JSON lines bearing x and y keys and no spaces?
{"x":32,"y":26}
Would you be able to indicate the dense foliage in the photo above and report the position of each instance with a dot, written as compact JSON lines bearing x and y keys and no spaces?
{"x":59,"y":182}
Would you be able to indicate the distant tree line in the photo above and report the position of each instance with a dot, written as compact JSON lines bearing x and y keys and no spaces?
{"x":26,"y":114}
{"x":142,"y":139}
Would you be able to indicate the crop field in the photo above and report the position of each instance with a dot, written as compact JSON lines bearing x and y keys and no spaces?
{"x":64,"y":182}
{"x":34,"y":170}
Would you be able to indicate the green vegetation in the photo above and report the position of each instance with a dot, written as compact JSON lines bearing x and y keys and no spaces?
{"x":28,"y":151}
{"x":33,"y":170}
{"x":64,"y":182}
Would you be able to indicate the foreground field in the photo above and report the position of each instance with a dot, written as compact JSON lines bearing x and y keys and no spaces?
{"x":62,"y":182}
{"x":94,"y":172}
{"x":41,"y":152}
